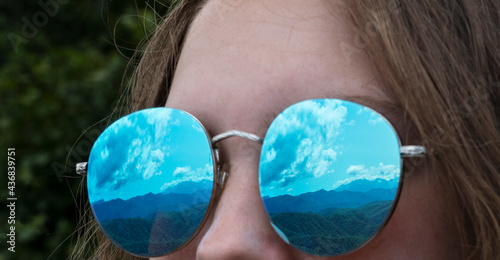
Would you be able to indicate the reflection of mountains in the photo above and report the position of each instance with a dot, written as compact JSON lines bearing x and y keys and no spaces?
{"x":334,"y":230}
{"x":325,"y":222}
{"x":154,"y":224}
{"x":157,"y":233}
{"x":321,"y":200}
{"x":142,"y":206}
{"x":336,"y":221}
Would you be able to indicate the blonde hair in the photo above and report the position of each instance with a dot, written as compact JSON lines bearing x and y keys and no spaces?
{"x":439,"y":59}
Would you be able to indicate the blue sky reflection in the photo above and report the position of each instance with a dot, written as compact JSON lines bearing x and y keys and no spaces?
{"x":151,"y":150}
{"x":328,"y":144}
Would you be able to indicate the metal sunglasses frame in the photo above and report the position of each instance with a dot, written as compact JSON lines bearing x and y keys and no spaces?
{"x":220,"y":174}
{"x":404,"y":151}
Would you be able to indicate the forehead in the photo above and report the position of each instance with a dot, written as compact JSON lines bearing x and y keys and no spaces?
{"x":243,"y":62}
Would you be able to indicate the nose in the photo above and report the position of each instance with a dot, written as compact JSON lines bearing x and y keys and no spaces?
{"x":240,"y":228}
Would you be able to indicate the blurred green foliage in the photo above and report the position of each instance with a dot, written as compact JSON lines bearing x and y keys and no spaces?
{"x":59,"y":76}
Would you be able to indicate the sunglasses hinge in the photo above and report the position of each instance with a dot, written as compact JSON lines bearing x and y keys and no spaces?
{"x":81,"y":168}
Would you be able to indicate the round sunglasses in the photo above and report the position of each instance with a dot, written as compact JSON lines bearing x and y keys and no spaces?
{"x":330,"y":175}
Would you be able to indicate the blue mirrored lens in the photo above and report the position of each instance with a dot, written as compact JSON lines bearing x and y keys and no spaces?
{"x":329,"y":175}
{"x":150,"y":179}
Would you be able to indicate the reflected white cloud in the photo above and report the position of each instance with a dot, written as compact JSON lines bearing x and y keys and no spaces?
{"x":186,"y":174}
{"x":376,"y":121}
{"x":104,"y":153}
{"x":294,"y":134}
{"x":360,"y":172}
{"x":182,"y":170}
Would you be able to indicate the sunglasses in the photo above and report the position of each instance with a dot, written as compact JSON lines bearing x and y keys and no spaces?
{"x":330,"y":175}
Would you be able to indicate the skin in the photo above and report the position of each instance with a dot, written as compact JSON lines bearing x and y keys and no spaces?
{"x":243,"y":63}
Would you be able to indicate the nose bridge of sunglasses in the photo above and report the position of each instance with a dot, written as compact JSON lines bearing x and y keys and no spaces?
{"x":222,"y":172}
{"x":237,"y":133}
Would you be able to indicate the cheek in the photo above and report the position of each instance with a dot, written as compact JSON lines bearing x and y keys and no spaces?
{"x":421,"y":226}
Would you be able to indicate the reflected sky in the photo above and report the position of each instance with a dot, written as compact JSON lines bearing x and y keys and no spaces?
{"x":327,"y":144}
{"x":151,"y":150}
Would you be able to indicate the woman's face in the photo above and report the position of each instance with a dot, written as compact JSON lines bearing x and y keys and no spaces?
{"x":243,"y":62}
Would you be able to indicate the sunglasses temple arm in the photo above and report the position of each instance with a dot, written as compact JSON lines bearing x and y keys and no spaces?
{"x":412,"y":151}
{"x":81,"y":168}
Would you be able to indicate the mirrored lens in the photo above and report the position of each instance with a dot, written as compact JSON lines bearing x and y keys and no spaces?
{"x":150,"y":179}
{"x":329,"y":175}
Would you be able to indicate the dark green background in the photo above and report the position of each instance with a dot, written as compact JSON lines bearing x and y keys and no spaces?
{"x":60,"y":80}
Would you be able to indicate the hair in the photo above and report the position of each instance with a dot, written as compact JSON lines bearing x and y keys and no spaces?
{"x":438,"y":59}
{"x":150,"y":86}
